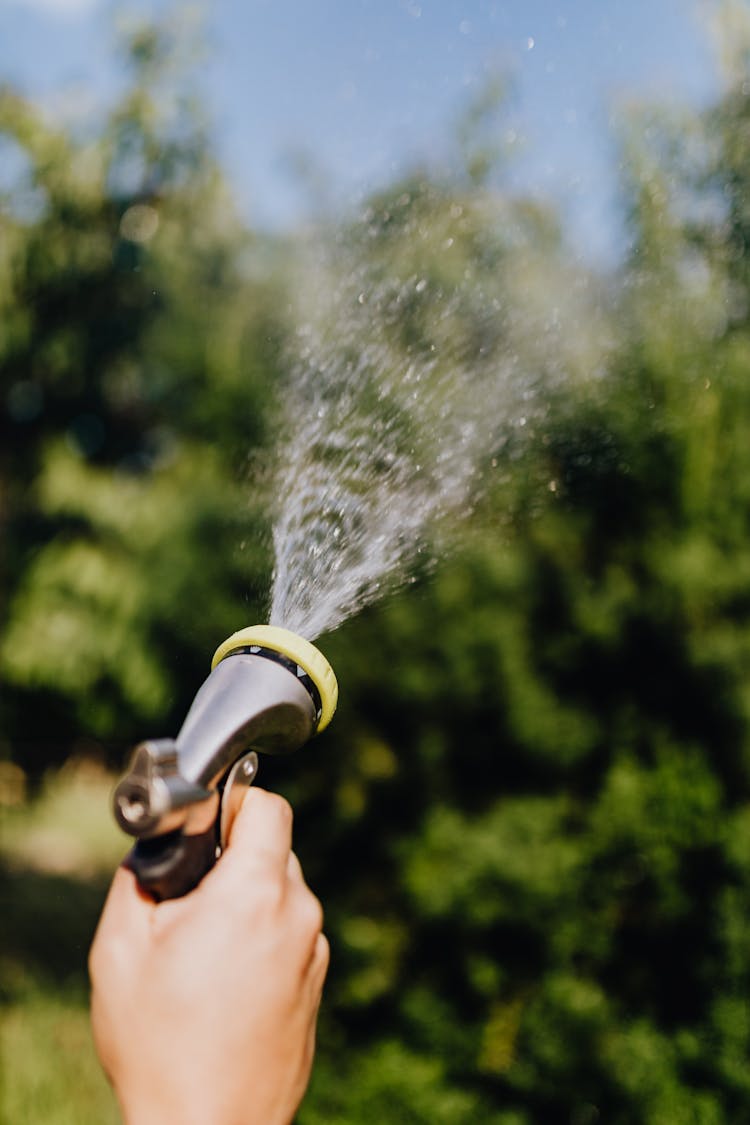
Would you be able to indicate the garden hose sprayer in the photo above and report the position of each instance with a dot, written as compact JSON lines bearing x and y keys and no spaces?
{"x":269,"y":690}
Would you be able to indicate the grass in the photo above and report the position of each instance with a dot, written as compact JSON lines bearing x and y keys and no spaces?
{"x":57,"y":853}
{"x":51,"y":1075}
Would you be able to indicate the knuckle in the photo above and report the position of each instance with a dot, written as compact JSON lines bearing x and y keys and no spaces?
{"x":282,"y":808}
{"x":311,"y":913}
{"x":323,"y":952}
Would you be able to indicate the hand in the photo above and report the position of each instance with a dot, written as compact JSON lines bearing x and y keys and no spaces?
{"x":204,"y":1008}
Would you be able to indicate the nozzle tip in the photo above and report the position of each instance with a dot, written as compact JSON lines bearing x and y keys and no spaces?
{"x":295,"y":648}
{"x":132,"y":808}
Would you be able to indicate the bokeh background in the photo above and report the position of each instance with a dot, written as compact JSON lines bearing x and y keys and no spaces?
{"x":530,"y":821}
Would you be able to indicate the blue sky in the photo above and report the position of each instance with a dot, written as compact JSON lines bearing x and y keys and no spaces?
{"x":371,"y":86}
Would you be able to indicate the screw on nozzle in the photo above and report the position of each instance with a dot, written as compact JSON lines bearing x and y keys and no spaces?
{"x":131,"y":808}
{"x":154,"y":797}
{"x":297,"y":654}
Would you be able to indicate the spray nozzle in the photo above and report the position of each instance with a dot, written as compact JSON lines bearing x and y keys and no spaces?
{"x":269,"y":690}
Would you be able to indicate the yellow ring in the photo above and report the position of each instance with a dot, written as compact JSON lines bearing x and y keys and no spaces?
{"x":294,"y":648}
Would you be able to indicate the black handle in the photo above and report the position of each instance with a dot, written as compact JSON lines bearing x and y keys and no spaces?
{"x":169,"y":866}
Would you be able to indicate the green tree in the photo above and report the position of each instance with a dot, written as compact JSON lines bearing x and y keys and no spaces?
{"x":530,"y":821}
{"x":529,"y":825}
{"x":137,"y":360}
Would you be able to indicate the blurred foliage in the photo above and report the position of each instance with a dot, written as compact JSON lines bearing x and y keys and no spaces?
{"x":70,"y":1087}
{"x":134,"y":355}
{"x":530,"y":821}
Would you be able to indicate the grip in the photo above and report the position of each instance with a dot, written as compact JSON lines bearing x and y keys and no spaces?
{"x":170,"y":865}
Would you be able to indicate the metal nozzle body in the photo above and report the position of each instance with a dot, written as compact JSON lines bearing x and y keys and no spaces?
{"x":248,"y":702}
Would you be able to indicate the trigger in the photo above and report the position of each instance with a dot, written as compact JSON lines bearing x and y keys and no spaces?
{"x":240,"y":777}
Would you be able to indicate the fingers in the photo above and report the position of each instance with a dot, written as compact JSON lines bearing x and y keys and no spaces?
{"x":309,"y":912}
{"x":294,"y":869}
{"x":320,"y":961}
{"x":261,"y":836}
{"x":259,"y":854}
{"x":316,"y":979}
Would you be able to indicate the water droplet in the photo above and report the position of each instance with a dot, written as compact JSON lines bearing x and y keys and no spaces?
{"x":530,"y":43}
{"x":465,"y":27}
{"x":355,"y":499}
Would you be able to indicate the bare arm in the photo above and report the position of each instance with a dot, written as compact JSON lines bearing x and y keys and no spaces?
{"x":204,"y":1008}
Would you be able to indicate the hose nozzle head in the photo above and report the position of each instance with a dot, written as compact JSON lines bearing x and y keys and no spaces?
{"x":154,"y":797}
{"x":269,"y":690}
{"x":294,"y":652}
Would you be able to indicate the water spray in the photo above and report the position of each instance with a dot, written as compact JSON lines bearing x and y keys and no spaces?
{"x":269,"y":690}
